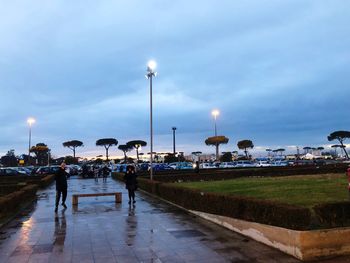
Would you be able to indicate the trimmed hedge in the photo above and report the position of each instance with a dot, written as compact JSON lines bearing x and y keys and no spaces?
{"x":47,"y":180}
{"x":40,"y":180}
{"x":328,"y":215}
{"x":249,"y":209}
{"x":333,"y":214}
{"x":6,"y":189}
{"x":11,"y":202}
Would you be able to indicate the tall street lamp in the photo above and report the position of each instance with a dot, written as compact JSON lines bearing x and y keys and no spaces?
{"x":30,"y":122}
{"x":215,"y":113}
{"x":151,"y":66}
{"x":174,"y":150}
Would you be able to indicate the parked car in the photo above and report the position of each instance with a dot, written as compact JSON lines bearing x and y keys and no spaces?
{"x":244,"y":164}
{"x":22,"y":170}
{"x":160,"y":167}
{"x":262,"y":164}
{"x":73,"y":169}
{"x":207,"y":166}
{"x":227,"y":165}
{"x":183,"y":166}
{"x":10,"y":171}
{"x":279,"y":163}
{"x":44,"y":170}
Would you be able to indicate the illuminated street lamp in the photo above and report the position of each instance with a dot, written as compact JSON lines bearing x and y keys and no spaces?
{"x":30,"y":122}
{"x":216,"y":113}
{"x":151,"y":66}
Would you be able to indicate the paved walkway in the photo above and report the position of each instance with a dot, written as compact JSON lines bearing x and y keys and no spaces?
{"x":101,"y":231}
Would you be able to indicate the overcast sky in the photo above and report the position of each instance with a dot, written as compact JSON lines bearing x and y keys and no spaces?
{"x":278,"y":71}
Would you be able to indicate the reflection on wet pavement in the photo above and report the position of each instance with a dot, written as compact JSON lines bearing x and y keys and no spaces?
{"x":100,"y":230}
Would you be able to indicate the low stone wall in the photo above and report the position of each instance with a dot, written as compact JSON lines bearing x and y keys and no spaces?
{"x":304,"y":245}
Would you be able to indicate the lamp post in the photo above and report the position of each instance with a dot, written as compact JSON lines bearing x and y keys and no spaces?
{"x":30,"y":122}
{"x":151,"y":66}
{"x":215,"y":113}
{"x":174,"y":150}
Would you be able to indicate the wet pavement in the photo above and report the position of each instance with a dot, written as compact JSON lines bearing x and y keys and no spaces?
{"x":99,"y":230}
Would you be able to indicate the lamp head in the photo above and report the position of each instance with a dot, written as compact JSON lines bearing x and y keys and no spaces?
{"x":30,"y":121}
{"x":151,"y":66}
{"x":215,"y":113}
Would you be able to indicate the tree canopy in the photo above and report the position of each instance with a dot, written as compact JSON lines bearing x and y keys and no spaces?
{"x":107,"y":143}
{"x":340,"y":136}
{"x":73,"y":145}
{"x":125,"y":148}
{"x":137,"y":144}
{"x":41,"y":152}
{"x":216,"y":141}
{"x":244,"y":145}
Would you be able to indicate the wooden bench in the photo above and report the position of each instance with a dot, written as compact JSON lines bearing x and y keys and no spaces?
{"x":118,"y":196}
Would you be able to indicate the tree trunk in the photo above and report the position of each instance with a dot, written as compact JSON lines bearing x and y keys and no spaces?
{"x":106,"y":153}
{"x":124,"y":157}
{"x":246,"y":152}
{"x":137,"y":154}
{"x":217,"y":151}
{"x":346,"y":153}
{"x":74,"y":153}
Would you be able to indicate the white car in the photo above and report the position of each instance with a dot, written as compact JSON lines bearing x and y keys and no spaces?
{"x":227,"y":165}
{"x":207,"y":166}
{"x":244,"y":164}
{"x":262,"y":164}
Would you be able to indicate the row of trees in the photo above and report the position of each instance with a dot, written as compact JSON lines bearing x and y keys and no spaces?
{"x":217,"y":140}
{"x":107,"y":143}
{"x":244,"y":145}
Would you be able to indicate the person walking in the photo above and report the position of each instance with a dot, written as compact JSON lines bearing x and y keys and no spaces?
{"x":105,"y":173}
{"x":61,"y":186}
{"x":96,"y":172}
{"x":131,"y":182}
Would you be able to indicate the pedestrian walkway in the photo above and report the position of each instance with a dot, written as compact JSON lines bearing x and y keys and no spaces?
{"x":99,"y":230}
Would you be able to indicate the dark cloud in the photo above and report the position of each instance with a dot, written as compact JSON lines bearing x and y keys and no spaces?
{"x":277,"y":70}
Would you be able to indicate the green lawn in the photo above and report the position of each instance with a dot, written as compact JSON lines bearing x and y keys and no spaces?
{"x":306,"y":190}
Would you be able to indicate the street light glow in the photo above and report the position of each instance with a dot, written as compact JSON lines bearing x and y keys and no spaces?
{"x":215,"y":113}
{"x":151,"y":66}
{"x":30,"y":121}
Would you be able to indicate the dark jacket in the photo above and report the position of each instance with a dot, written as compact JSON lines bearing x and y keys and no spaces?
{"x":61,"y":179}
{"x":105,"y":171}
{"x":130,"y":180}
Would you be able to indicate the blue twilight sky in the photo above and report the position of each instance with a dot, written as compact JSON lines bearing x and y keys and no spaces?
{"x":278,"y":71}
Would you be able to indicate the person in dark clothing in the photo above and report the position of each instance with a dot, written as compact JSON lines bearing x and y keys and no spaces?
{"x":105,"y":173}
{"x":61,"y":186}
{"x":131,"y":182}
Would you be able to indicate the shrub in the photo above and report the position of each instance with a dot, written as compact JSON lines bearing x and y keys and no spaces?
{"x":47,"y":180}
{"x":12,"y":201}
{"x":333,"y":214}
